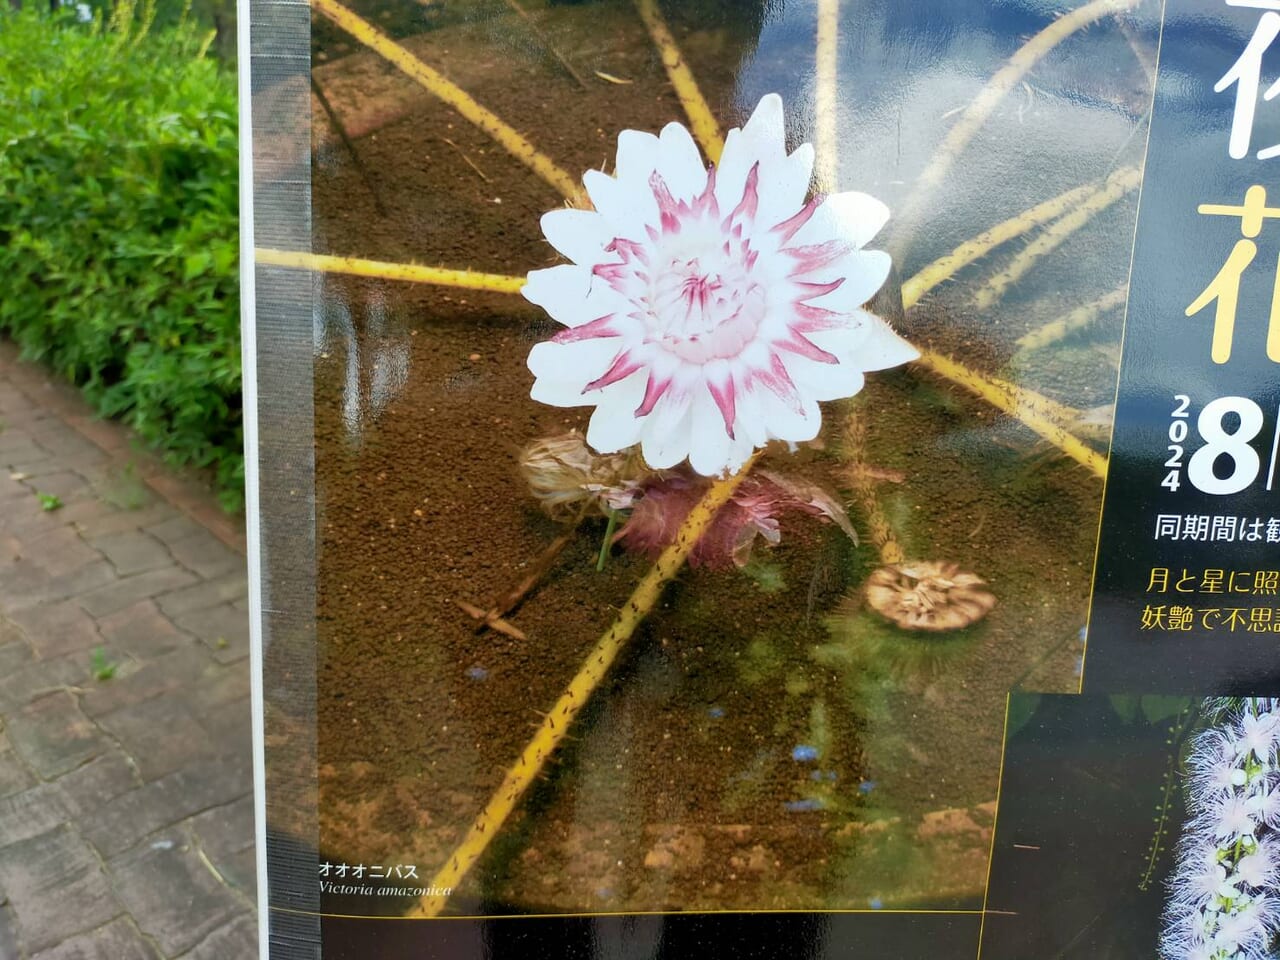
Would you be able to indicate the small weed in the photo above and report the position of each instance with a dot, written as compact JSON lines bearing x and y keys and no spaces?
{"x":49,"y":501}
{"x":125,"y":488}
{"x":101,"y":668}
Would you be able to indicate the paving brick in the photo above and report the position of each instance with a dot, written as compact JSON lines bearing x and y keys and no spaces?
{"x":239,"y":938}
{"x":230,"y":725}
{"x":174,"y":898}
{"x":119,"y":521}
{"x":225,"y":830}
{"x":65,"y":441}
{"x":52,"y":736}
{"x":12,"y":399}
{"x":133,"y":551}
{"x":220,"y":687}
{"x":59,"y":551}
{"x":8,"y":932}
{"x":151,"y":679}
{"x":14,"y":775}
{"x":134,"y":727}
{"x":23,"y":453}
{"x":174,"y":529}
{"x":28,"y":585}
{"x":25,"y":518}
{"x":57,"y":888}
{"x":11,"y":490}
{"x":205,"y":554}
{"x":129,"y":590}
{"x":39,"y":678}
{"x":57,"y":628}
{"x":99,"y":781}
{"x":118,"y":940}
{"x":223,"y":628}
{"x":66,"y":485}
{"x":141,"y":631}
{"x":241,"y":871}
{"x":12,"y":438}
{"x":225,"y":589}
{"x":118,"y":825}
{"x":14,"y":654}
{"x":101,"y":433}
{"x":32,"y":812}
{"x":85,"y":512}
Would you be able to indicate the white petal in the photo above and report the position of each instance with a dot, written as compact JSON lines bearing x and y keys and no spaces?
{"x":709,"y":441}
{"x":880,"y":348}
{"x":762,"y":140}
{"x":863,"y":272}
{"x":750,"y":425}
{"x":766,"y":129}
{"x":627,"y":205}
{"x":558,"y":393}
{"x":784,"y":183}
{"x":614,"y":426}
{"x":785,"y":423}
{"x":571,"y":295}
{"x":825,"y":381}
{"x":637,"y":155}
{"x":680,"y":163}
{"x":735,"y":163}
{"x":665,"y":435}
{"x":851,"y":216}
{"x":564,"y":369}
{"x":581,"y":235}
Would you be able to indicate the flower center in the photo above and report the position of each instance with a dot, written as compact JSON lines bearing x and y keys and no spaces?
{"x":702,"y":311}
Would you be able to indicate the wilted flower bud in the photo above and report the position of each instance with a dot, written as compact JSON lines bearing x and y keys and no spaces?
{"x":567,"y":478}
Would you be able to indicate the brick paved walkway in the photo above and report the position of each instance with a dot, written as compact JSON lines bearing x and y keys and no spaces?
{"x":126,"y":811}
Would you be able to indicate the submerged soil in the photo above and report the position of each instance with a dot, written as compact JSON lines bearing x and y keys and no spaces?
{"x":687,"y":782}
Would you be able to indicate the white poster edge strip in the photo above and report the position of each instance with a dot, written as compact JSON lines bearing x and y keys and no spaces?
{"x":249,"y":382}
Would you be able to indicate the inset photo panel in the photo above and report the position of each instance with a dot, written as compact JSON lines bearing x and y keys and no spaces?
{"x":1137,"y":826}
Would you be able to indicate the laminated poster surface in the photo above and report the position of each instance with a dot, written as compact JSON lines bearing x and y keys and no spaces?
{"x":767,"y":479}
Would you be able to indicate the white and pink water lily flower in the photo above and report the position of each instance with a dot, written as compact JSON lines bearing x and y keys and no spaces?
{"x":709,"y":310}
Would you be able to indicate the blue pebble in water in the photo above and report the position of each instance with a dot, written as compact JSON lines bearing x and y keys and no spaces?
{"x":875,"y":903}
{"x":478,"y":673}
{"x":866,"y":786}
{"x":715,"y":713}
{"x":802,"y":806}
{"x":832,"y":776}
{"x":815,"y":775}
{"x":804,"y":753}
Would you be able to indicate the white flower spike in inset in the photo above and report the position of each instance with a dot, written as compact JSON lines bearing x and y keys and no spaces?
{"x":708,"y":311}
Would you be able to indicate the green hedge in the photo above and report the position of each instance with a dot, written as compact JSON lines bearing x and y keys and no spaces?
{"x":118,"y":227}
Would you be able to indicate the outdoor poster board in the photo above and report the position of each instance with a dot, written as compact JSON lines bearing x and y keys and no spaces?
{"x":764,"y":479}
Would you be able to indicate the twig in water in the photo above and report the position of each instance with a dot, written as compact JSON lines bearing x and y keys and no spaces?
{"x":467,"y":160}
{"x":493,"y":618}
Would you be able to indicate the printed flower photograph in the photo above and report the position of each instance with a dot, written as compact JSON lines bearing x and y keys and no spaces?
{"x":711,"y":408}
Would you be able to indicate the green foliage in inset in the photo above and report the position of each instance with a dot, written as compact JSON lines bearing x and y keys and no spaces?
{"x":118,"y":225}
{"x":49,"y":502}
